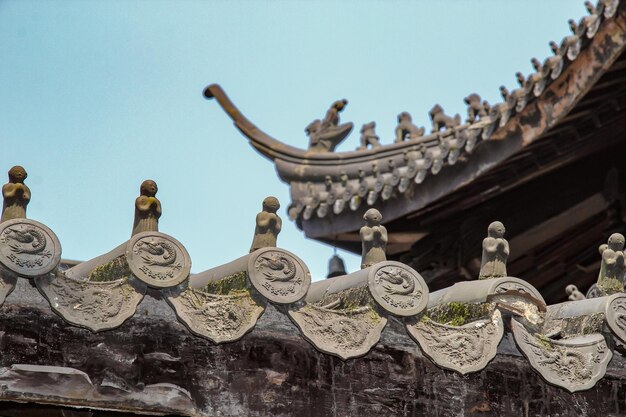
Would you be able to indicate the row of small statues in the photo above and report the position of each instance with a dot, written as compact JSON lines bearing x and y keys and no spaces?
{"x":326,"y":134}
{"x":16,"y":196}
{"x":495,"y":248}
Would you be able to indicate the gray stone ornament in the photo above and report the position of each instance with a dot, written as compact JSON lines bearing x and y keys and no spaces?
{"x":397,"y":288}
{"x":278,"y":275}
{"x":28,"y":248}
{"x":346,"y":333}
{"x":464,"y":349}
{"x":575,"y":364}
{"x":157,"y":259}
{"x":219,"y":318}
{"x":97,"y":306}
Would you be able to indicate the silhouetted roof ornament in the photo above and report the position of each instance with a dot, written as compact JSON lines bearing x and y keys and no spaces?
{"x":336,"y":267}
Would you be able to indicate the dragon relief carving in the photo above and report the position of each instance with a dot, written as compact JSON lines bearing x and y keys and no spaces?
{"x":26,"y":240}
{"x":398,"y":290}
{"x":616,"y":317}
{"x":575,"y":364}
{"x":158,"y":253}
{"x":158,"y":260}
{"x":95,"y":305}
{"x":219,"y":318}
{"x":464,"y":349}
{"x":346,"y":333}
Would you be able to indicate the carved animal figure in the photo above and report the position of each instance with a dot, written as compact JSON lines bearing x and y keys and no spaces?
{"x":369,"y":136}
{"x":30,"y":241}
{"x":441,"y":120}
{"x":406,"y":130}
{"x":401,"y":283}
{"x":568,"y":363}
{"x":163,"y":249}
{"x":373,"y":238}
{"x":573,"y":293}
{"x":268,"y":225}
{"x":147,"y":209}
{"x":476,"y":108}
{"x":16,"y":195}
{"x":277,"y":263}
{"x":495,"y":253}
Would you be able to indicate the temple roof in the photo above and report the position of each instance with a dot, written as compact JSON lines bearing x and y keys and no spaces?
{"x":331,"y":189}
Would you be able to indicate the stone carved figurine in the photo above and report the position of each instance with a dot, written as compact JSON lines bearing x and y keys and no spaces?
{"x":326,"y":134}
{"x":373,"y":238}
{"x":573,"y":294}
{"x":147,"y":209}
{"x":406,"y":130}
{"x":369,"y":136}
{"x":613,"y":266}
{"x":476,"y":108}
{"x":268,"y":225}
{"x":495,"y":253}
{"x":16,"y":195}
{"x":441,"y":120}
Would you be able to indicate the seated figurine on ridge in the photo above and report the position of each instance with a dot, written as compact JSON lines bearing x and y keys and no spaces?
{"x":16,"y":195}
{"x":613,"y":266}
{"x":441,"y":120}
{"x":326,"y":134}
{"x":268,"y":225}
{"x":147,"y":209}
{"x":369,"y":136}
{"x":495,"y":253}
{"x":406,"y":130}
{"x":373,"y":239}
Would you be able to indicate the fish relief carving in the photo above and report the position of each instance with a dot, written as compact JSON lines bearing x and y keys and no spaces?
{"x":347,"y":333}
{"x":219,"y":318}
{"x":95,"y":305}
{"x":464,"y":349}
{"x":574,"y":364}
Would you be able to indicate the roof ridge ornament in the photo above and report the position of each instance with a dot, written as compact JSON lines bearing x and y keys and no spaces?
{"x":612,"y":267}
{"x":326,"y":134}
{"x":373,"y":239}
{"x":268,"y":225}
{"x":495,"y":252}
{"x":147,"y":209}
{"x":27,"y":248}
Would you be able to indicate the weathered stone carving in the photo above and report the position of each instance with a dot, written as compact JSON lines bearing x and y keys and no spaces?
{"x":573,"y":294}
{"x":466,"y":348}
{"x":441,"y":120}
{"x":147,"y":209}
{"x":615,"y":314}
{"x":476,"y":108}
{"x":495,"y":253}
{"x":346,"y":333}
{"x":406,"y":130}
{"x":325,"y":135}
{"x":157,"y":259}
{"x":16,"y":195}
{"x":369,"y":136}
{"x":373,"y":238}
{"x":613,"y":266}
{"x":278,"y":275}
{"x":268,"y":225}
{"x":220,"y":314}
{"x":28,"y":248}
{"x":575,"y":364}
{"x":397,"y":288}
{"x":95,"y":305}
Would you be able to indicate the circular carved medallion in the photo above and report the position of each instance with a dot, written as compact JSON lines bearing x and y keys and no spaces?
{"x":28,"y":247}
{"x":516,"y":284}
{"x":279,"y":276}
{"x":616,"y":315}
{"x":157,"y":259}
{"x":398,"y":288}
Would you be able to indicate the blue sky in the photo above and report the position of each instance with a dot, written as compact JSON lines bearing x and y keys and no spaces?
{"x":96,"y":96}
